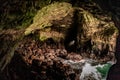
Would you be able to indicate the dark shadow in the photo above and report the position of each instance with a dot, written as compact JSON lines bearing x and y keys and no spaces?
{"x":17,"y":70}
{"x":71,"y":37}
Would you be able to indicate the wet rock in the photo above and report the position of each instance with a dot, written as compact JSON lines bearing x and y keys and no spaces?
{"x":45,"y":62}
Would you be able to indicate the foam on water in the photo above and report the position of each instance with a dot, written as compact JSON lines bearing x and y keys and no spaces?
{"x":89,"y":71}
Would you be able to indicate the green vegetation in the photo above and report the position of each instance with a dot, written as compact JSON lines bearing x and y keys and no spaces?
{"x":19,"y":14}
{"x":104,"y":70}
{"x":51,"y":16}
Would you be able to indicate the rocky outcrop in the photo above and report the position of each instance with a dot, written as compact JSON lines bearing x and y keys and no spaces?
{"x":52,"y":21}
{"x":40,"y":61}
{"x":62,"y":30}
{"x":78,"y":28}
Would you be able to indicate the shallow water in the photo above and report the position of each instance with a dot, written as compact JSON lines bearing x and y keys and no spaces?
{"x":90,"y":69}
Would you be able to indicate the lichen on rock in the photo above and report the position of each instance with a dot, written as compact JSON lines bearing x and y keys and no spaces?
{"x":95,"y":32}
{"x":62,"y":21}
{"x":57,"y":17}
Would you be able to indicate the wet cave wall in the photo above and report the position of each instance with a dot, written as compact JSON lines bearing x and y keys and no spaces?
{"x":87,"y":31}
{"x":44,"y":33}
